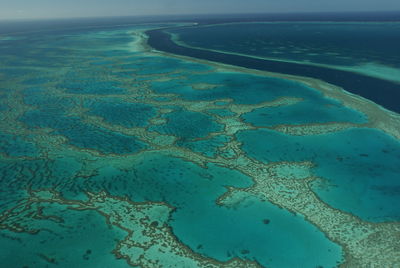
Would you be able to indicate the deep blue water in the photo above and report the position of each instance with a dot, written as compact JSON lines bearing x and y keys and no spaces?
{"x":387,"y":96}
{"x":347,"y":44}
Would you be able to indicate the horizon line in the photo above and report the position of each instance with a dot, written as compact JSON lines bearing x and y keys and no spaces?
{"x":203,"y":15}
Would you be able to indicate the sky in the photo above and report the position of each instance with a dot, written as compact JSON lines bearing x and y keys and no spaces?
{"x":26,"y":9}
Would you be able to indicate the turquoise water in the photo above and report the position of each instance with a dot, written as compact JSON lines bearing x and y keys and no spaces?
{"x":83,"y":135}
{"x":361,"y":179}
{"x":242,"y":88}
{"x":216,"y":231}
{"x":58,"y":246}
{"x":88,"y":86}
{"x":209,"y":147}
{"x":166,"y":65}
{"x":307,"y":111}
{"x":221,"y":112}
{"x":187,"y":125}
{"x":95,"y":131}
{"x":124,"y":114}
{"x":16,"y":146}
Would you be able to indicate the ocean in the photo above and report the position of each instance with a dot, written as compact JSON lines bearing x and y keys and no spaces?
{"x":157,"y":142}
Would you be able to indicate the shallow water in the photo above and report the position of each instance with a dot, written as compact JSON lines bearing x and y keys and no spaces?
{"x":361,"y":167}
{"x":309,"y":110}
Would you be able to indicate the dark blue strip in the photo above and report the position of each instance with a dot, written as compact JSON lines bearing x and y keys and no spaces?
{"x":382,"y":92}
